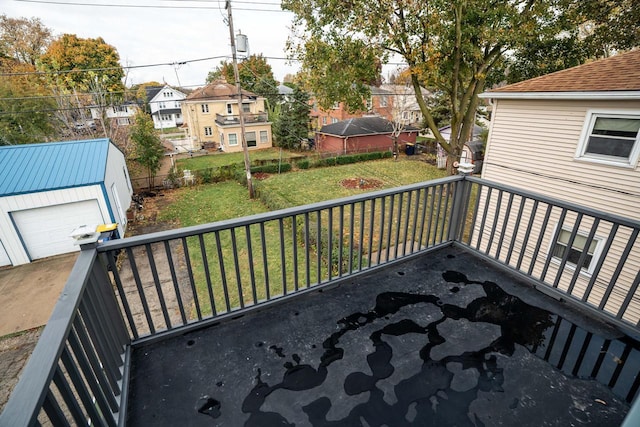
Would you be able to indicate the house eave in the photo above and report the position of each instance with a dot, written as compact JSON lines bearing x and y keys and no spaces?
{"x":598,"y":95}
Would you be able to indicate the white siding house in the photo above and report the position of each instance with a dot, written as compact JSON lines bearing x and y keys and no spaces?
{"x":122,"y":114}
{"x":165,"y":105}
{"x":575,"y":135}
{"x":47,"y":190}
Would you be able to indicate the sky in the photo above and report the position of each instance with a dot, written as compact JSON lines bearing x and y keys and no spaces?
{"x":156,"y":34}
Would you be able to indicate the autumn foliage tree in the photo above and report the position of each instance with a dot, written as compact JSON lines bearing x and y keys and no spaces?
{"x":24,"y":39}
{"x":451,"y":45}
{"x":79,"y":62}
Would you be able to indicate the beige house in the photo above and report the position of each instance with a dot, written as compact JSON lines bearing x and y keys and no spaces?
{"x":573,"y":135}
{"x":212,"y":120}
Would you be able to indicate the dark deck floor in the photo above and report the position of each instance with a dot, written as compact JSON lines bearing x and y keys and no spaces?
{"x":439,"y":341}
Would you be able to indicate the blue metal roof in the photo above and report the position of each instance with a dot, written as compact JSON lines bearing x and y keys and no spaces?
{"x":50,"y":166}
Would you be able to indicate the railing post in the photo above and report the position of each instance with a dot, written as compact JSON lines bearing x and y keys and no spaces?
{"x":459,"y":199}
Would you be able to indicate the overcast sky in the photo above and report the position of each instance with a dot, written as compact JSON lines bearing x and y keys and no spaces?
{"x":155,"y":35}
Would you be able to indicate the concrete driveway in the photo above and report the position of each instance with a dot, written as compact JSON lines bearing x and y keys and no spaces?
{"x":29,"y":292}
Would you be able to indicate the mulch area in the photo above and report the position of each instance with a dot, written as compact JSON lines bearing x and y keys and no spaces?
{"x":361,"y":183}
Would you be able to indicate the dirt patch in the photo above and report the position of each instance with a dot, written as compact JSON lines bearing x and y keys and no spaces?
{"x":260,"y":175}
{"x":361,"y":183}
{"x":14,"y":352}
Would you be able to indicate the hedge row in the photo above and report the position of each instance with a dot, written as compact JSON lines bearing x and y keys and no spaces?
{"x":236,"y":170}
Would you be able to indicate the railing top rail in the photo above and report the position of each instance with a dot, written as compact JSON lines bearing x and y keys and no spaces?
{"x":267,"y":216}
{"x":23,"y":406}
{"x":627,"y":222}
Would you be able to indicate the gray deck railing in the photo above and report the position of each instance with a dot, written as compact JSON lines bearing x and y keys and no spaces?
{"x":131,"y":291}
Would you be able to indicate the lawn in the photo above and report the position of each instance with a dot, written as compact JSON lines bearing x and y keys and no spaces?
{"x":216,"y":160}
{"x":253,"y":274}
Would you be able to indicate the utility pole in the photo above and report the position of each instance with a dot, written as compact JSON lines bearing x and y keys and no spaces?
{"x":236,"y":75}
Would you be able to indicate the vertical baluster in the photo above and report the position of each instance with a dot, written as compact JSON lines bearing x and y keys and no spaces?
{"x":141,"y":295}
{"x":207,"y":273}
{"x":192,"y":282}
{"x":516,"y":229}
{"x":158,"y":285}
{"x":543,"y":230}
{"x":252,"y":272}
{"x":174,"y":279}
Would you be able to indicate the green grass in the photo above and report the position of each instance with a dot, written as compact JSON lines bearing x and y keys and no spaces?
{"x":222,"y":159}
{"x":316,"y":185}
{"x":216,"y":202}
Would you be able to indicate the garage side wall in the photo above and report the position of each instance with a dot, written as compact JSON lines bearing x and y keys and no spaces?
{"x":117,"y":188}
{"x":10,"y":236}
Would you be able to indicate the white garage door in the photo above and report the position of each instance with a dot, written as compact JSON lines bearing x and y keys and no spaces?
{"x":4,"y":258}
{"x":45,"y":231}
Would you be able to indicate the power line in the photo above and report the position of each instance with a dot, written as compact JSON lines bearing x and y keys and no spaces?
{"x":128,"y":67}
{"x":140,"y":6}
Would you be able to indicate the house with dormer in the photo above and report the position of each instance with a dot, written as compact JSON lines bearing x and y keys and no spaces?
{"x":165,"y":106}
{"x":212,"y":120}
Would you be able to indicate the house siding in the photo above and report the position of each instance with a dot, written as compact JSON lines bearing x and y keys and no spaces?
{"x":9,"y":235}
{"x":116,"y":173}
{"x":197,"y":121}
{"x":532,"y":145}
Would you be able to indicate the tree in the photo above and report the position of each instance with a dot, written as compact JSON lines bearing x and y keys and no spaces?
{"x":451,"y":45}
{"x":255,"y":74}
{"x":292,"y":124}
{"x":23,"y":39}
{"x":587,"y":29}
{"x":82,"y":61}
{"x":148,"y":147}
{"x":26,"y":110}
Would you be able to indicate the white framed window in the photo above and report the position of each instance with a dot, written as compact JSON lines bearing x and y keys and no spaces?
{"x":560,"y":247}
{"x":246,"y":107}
{"x":264,"y":136}
{"x":383,"y":101}
{"x":205,"y":108}
{"x":251,"y":139}
{"x":165,"y":118}
{"x":178,"y":115}
{"x":123,"y":121}
{"x":334,"y":120}
{"x":324,"y":120}
{"x":233,"y":139}
{"x":229,"y":109}
{"x":610,"y":137}
{"x":335,"y":106}
{"x":162,"y":105}
{"x":208,"y":131}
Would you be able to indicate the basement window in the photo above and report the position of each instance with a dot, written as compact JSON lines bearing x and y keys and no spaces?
{"x":561,"y":247}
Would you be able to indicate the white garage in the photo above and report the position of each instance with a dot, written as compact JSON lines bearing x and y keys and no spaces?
{"x":4,"y":258}
{"x":47,"y":190}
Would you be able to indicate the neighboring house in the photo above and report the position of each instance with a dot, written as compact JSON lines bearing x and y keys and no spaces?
{"x":574,"y":135}
{"x":472,"y":151}
{"x":212,"y":118}
{"x":285,"y":93}
{"x":362,"y":135}
{"x":165,"y":106}
{"x":48,"y":190}
{"x":379,"y":104}
{"x":404,"y":103}
{"x":122,"y":114}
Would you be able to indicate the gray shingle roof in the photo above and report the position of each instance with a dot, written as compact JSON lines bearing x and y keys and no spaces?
{"x":362,"y":126}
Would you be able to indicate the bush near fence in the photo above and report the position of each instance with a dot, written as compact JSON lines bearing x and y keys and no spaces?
{"x":235,"y":171}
